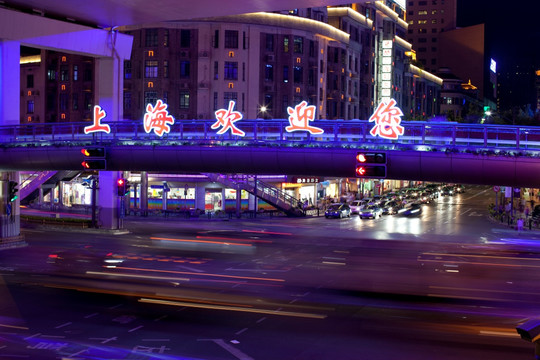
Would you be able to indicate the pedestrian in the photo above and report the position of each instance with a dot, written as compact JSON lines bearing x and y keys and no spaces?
{"x":520,"y":225}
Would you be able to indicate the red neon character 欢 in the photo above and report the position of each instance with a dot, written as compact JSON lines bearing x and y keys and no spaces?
{"x":300,"y":117}
{"x":387,"y":120}
{"x":227,"y":118}
{"x":97,"y":126}
{"x":157,"y":118}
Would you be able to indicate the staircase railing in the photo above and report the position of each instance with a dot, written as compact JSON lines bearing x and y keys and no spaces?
{"x":269,"y":193}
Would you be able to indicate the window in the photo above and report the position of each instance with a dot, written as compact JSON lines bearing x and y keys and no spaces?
{"x":422,"y":22}
{"x":422,"y":40}
{"x":151,"y":69}
{"x":434,"y":21}
{"x":216,"y":39}
{"x":87,"y":73}
{"x":30,"y":106}
{"x":268,"y":72}
{"x":215,"y":100}
{"x":185,"y":38}
{"x":231,"y":39}
{"x":284,"y":104}
{"x":184,"y":68}
{"x":230,"y":70}
{"x":166,"y":38}
{"x":30,"y":81}
{"x":75,"y":73}
{"x":127,"y":69}
{"x":75,"y":101}
{"x":269,"y":42}
{"x":184,"y":100}
{"x":422,"y":12}
{"x":63,"y":102}
{"x":285,"y":73}
{"x":64,"y":73}
{"x":165,"y":68}
{"x":88,"y":100}
{"x":268,"y":102}
{"x":422,"y":31}
{"x":311,"y":48}
{"x":150,"y":97}
{"x":216,"y":70}
{"x":229,"y":96}
{"x":298,"y":46}
{"x":286,"y":44}
{"x":298,"y":74}
{"x":151,"y":37}
{"x":51,"y":74}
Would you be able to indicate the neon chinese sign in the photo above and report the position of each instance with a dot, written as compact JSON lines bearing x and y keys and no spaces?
{"x":226,"y":119}
{"x":97,"y":126}
{"x":300,"y":117}
{"x":387,"y":118}
{"x":157,"y":118}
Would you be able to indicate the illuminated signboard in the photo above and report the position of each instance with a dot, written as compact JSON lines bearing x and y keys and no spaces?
{"x":300,"y":117}
{"x":387,"y":118}
{"x":97,"y":126}
{"x":306,"y":180}
{"x":157,"y":118}
{"x":385,"y":76}
{"x":493,"y":66}
{"x":226,"y":119}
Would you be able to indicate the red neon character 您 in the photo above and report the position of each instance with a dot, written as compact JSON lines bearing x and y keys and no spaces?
{"x":157,"y":118}
{"x":97,"y":126}
{"x":300,"y":117}
{"x":387,"y":120}
{"x":227,"y":118}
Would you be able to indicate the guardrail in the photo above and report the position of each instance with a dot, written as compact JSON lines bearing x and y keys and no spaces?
{"x":272,"y":132}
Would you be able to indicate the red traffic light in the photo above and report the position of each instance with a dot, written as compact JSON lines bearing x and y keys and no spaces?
{"x":121,"y":182}
{"x":97,"y":164}
{"x":361,"y":158}
{"x":93,"y":152}
{"x":360,"y":171}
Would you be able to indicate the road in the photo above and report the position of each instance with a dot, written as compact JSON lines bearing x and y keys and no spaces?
{"x":448,"y":284}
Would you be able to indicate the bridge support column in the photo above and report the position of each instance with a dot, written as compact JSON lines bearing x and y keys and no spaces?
{"x":10,"y":82}
{"x":109,"y":87}
{"x":10,"y":227}
{"x":143,"y":199}
{"x":108,"y":200}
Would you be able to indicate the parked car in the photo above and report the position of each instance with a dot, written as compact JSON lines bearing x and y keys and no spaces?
{"x":412,"y":209}
{"x":372,"y":211}
{"x":356,"y":206}
{"x":391,"y":207}
{"x":338,"y":210}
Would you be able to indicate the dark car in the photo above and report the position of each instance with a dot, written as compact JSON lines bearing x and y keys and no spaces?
{"x":338,"y":211}
{"x":413,"y":209}
{"x":447,"y":191}
{"x":391,"y":207}
{"x":372,"y":211}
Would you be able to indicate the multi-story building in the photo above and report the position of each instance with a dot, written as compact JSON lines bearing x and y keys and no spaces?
{"x":427,"y":19}
{"x":56,"y":87}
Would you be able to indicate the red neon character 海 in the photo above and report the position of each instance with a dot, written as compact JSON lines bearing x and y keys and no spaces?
{"x":227,"y":118}
{"x":387,"y":120}
{"x":300,"y":117}
{"x":157,"y":118}
{"x":97,"y":126}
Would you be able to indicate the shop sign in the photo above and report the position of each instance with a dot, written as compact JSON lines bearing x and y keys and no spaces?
{"x":306,"y":179}
{"x":387,"y":118}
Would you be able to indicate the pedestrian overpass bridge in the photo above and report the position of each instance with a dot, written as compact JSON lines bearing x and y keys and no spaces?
{"x":441,"y":151}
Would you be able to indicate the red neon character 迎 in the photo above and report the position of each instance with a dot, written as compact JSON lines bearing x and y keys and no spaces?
{"x":300,"y":117}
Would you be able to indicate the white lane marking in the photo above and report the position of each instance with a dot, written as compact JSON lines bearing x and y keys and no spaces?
{"x":64,"y":325}
{"x":241,"y":331}
{"x":136,"y":328}
{"x":231,"y":349}
{"x":91,"y":315}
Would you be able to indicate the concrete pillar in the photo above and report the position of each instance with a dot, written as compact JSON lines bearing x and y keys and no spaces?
{"x":109,"y":87}
{"x":143,"y":203}
{"x":200,"y":193}
{"x":108,"y":200}
{"x":10,"y":82}
{"x":9,"y":211}
{"x":60,"y":193}
{"x":40,"y":198}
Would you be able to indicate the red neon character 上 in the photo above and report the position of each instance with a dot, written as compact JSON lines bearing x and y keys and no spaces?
{"x":97,"y":126}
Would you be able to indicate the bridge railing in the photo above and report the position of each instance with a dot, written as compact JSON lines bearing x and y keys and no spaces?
{"x":336,"y":133}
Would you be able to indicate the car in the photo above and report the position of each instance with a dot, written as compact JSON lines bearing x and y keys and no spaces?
{"x":338,"y":210}
{"x":459,"y":189}
{"x":447,"y":191}
{"x":391,"y":207}
{"x":355,"y":206}
{"x":412,"y":209}
{"x":372,"y":211}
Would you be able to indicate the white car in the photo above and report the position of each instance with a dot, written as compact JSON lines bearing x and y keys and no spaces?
{"x":356,"y":206}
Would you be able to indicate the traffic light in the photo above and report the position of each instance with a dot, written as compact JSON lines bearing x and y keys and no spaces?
{"x":94,"y":158}
{"x":122,"y":187}
{"x":94,"y":164}
{"x":371,"y":164}
{"x":12,"y":191}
